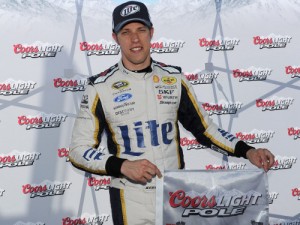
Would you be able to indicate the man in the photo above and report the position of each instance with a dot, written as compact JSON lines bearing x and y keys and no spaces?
{"x":138,"y":103}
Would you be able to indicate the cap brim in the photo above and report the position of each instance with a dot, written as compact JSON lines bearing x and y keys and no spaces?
{"x":121,"y":25}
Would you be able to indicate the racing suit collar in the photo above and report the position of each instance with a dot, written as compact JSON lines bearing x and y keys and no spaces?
{"x":140,"y":74}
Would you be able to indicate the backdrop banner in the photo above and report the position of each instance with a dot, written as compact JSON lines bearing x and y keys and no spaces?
{"x":241,"y":58}
{"x":198,"y":197}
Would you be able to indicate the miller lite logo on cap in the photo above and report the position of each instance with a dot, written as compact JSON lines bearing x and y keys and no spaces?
{"x":130,"y":9}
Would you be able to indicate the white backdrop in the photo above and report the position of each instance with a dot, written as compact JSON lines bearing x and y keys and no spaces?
{"x":241,"y":56}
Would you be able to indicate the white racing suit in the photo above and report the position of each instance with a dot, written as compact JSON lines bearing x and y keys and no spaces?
{"x":139,"y":113}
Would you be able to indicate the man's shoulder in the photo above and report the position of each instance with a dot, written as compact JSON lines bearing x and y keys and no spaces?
{"x":168,"y":68}
{"x":103,"y":76}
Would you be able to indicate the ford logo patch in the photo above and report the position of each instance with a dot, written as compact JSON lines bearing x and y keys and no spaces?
{"x":122,"y":97}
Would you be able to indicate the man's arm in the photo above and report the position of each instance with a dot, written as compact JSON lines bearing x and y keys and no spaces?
{"x":195,"y":119}
{"x":85,"y":153}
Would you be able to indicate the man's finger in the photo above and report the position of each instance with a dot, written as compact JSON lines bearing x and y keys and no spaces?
{"x":143,"y":180}
{"x":148,"y":176}
{"x":268,"y":159}
{"x":266,"y":164}
{"x":158,"y":173}
{"x":153,"y":170}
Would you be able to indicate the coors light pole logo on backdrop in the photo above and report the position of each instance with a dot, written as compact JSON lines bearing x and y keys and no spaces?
{"x":294,"y":132}
{"x":41,"y":121}
{"x":191,"y":143}
{"x":164,"y":45}
{"x":63,"y":153}
{"x":37,"y":50}
{"x":86,"y":219}
{"x":271,"y":41}
{"x":251,"y":74}
{"x":99,"y":48}
{"x":201,"y":77}
{"x":293,"y":71}
{"x":255,"y":136}
{"x":227,"y":166}
{"x":218,"y":44}
{"x":72,"y":85}
{"x":274,"y":103}
{"x":222,"y":107}
{"x":283,"y":162}
{"x":11,"y":87}
{"x":99,"y":184}
{"x":296,"y":193}
{"x":45,"y":189}
{"x":18,"y":159}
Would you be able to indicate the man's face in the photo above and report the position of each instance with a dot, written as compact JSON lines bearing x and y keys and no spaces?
{"x":135,"y":42}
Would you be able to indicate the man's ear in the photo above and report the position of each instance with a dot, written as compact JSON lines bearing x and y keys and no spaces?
{"x":114,"y":36}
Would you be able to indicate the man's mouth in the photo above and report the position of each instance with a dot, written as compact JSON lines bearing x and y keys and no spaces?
{"x":136,"y":49}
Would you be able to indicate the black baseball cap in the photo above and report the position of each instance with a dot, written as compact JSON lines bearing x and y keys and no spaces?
{"x":128,"y":12}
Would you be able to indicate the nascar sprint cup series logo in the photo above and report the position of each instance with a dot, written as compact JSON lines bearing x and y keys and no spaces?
{"x":99,"y":48}
{"x":218,"y":44}
{"x":11,"y":87}
{"x":271,"y":41}
{"x":41,"y":121}
{"x":164,"y":45}
{"x":37,"y":50}
{"x":18,"y":159}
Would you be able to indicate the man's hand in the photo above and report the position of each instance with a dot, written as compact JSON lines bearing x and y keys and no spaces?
{"x":261,"y":157}
{"x":140,"y":171}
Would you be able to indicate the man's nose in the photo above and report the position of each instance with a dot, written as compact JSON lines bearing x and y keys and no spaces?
{"x":134,"y":37}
